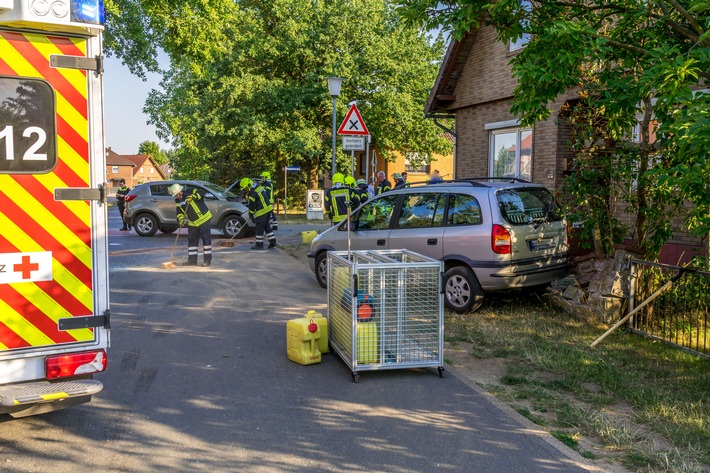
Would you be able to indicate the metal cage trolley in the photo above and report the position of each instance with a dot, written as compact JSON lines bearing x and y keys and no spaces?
{"x":385,"y":310}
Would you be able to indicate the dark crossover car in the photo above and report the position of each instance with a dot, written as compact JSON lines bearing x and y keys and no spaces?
{"x":150,"y":207}
{"x":492,"y":234}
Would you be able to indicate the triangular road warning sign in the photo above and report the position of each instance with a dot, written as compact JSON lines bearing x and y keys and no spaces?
{"x":353,"y":123}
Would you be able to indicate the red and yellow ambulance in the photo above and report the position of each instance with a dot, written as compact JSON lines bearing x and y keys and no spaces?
{"x":54,"y":304}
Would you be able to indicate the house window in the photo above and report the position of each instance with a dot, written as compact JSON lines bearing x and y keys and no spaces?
{"x":141,"y":170}
{"x":414,"y":162}
{"x":114,"y":169}
{"x":152,"y":170}
{"x":511,"y":153}
{"x":525,"y":39}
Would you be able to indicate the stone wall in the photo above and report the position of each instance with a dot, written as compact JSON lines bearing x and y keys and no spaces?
{"x":598,"y":286}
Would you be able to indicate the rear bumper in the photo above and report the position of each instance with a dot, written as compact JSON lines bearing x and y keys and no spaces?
{"x":17,"y":398}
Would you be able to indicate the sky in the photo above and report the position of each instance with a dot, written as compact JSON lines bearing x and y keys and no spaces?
{"x":125,"y":94}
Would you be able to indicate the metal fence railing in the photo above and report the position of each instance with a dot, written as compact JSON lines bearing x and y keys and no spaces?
{"x":680,"y":314}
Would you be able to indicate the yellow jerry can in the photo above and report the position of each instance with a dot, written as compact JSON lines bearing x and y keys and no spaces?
{"x":302,"y":337}
{"x":322,"y":323}
{"x":367,"y":343}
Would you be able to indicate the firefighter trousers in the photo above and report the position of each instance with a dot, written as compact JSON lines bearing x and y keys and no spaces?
{"x":263,"y":229}
{"x":194,"y":234}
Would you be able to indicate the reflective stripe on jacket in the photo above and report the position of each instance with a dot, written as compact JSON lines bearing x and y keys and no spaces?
{"x":194,"y":209}
{"x":335,"y":202}
{"x":259,"y":203}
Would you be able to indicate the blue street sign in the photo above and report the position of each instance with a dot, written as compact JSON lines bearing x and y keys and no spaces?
{"x":293,"y":168}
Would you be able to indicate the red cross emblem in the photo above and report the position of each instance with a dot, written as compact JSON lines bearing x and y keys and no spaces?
{"x":25,"y":267}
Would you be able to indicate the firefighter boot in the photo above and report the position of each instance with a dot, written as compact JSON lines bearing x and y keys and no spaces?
{"x":207,"y":262}
{"x":191,"y":261}
{"x":258,"y":246}
{"x":272,"y":243}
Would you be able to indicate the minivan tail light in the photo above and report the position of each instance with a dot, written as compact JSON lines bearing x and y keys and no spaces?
{"x":500,"y":240}
{"x":75,"y":364}
{"x":130,"y":198}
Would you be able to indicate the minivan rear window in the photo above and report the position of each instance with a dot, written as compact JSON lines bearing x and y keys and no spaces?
{"x":526,"y":205}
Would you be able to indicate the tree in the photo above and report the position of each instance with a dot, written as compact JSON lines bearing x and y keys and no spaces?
{"x":629,"y":59}
{"x":152,"y":149}
{"x":253,"y":96}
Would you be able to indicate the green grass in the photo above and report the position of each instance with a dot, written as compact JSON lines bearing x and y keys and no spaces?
{"x":646,"y":403}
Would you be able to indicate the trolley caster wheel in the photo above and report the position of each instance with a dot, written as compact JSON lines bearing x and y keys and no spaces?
{"x":441,"y":371}
{"x":356,"y":377}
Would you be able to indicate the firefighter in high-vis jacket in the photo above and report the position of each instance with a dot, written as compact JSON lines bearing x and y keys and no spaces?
{"x":193,"y":212}
{"x":361,"y":193}
{"x":338,"y":199}
{"x":269,"y":186}
{"x":259,"y":209}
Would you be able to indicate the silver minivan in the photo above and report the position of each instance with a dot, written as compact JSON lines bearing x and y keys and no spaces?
{"x":492,"y":234}
{"x":150,"y":207}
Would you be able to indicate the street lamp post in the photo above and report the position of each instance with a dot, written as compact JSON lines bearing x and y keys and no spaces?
{"x":334,"y":88}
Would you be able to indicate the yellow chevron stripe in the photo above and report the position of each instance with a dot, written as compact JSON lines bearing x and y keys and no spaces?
{"x":60,"y":274}
{"x":3,"y":346}
{"x":18,"y":324}
{"x":73,"y":159}
{"x":77,"y":122}
{"x":49,"y":307}
{"x":19,"y":64}
{"x":40,"y":214}
{"x":74,"y":76}
{"x":77,"y":207}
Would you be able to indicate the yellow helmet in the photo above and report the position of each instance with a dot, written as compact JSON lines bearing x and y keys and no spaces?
{"x":338,"y":178}
{"x":246,"y":183}
{"x":266,"y":175}
{"x":350,"y":181}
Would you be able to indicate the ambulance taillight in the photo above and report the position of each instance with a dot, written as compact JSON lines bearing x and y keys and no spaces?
{"x":75,"y":364}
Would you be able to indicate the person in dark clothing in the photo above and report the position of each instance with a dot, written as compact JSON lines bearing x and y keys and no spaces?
{"x":337,"y":199}
{"x":404,"y":178}
{"x":383,"y":185}
{"x":361,"y":193}
{"x":121,"y":202}
{"x":398,"y":181}
{"x":193,"y":212}
{"x":268,"y":184}
{"x":259,"y":209}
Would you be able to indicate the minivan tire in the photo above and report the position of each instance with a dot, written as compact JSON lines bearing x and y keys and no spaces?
{"x":462,"y":291}
{"x":322,"y":269}
{"x":145,"y":224}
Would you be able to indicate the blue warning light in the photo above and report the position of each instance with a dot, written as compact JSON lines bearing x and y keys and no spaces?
{"x":87,"y":11}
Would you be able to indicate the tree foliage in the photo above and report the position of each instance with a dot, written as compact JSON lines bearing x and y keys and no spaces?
{"x":247,"y":91}
{"x":633,"y":61}
{"x":152,"y":149}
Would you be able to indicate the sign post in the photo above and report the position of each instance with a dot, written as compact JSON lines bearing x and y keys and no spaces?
{"x":353,"y":125}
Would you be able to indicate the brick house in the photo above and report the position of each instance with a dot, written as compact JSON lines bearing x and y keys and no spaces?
{"x":117,"y":168}
{"x":475,"y":85}
{"x":146,"y":169}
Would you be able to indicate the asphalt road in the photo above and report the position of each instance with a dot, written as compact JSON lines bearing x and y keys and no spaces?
{"x":198,"y":380}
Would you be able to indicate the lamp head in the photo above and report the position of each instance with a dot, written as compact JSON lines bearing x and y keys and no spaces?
{"x":334,"y":86}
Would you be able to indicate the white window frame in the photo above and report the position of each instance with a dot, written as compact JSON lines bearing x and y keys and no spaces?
{"x":521,"y":42}
{"x":492,"y":151}
{"x":114,"y":169}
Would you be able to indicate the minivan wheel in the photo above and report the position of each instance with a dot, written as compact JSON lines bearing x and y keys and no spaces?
{"x":146,"y":225}
{"x":322,"y":269}
{"x":462,"y":290}
{"x":168,"y":230}
{"x":234,"y":226}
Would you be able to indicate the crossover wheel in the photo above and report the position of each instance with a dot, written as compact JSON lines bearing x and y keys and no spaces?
{"x":463,"y":293}
{"x":234,"y":226}
{"x":322,"y":269}
{"x":146,"y":225}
